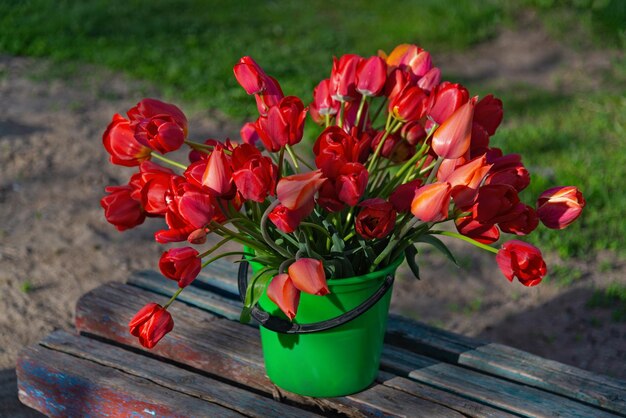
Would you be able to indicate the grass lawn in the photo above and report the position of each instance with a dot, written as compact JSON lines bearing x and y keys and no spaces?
{"x":188,"y":48}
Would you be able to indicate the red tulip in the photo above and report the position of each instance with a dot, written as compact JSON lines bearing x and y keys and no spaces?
{"x":343,"y":78}
{"x":254,"y":175}
{"x":524,"y":223}
{"x":180,"y":264}
{"x":328,"y":199}
{"x":119,"y":141}
{"x":196,"y":208}
{"x":152,"y":186}
{"x":376,"y":219}
{"x":250,"y":75}
{"x":283,"y":293}
{"x":308,"y":275}
{"x":509,"y":170}
{"x":521,"y":260}
{"x":371,"y":76}
{"x":351,"y":183}
{"x":120,"y":209}
{"x":283,"y":124}
{"x":299,"y":190}
{"x":452,"y":139}
{"x":218,"y":174}
{"x":496,"y":203}
{"x":402,"y":197}
{"x":486,"y":233}
{"x":395,"y":148}
{"x":269,"y":97}
{"x":431,"y":202}
{"x":158,"y":125}
{"x":560,"y":206}
{"x":488,"y":113}
{"x":410,"y":104}
{"x":447,"y":98}
{"x":397,"y":81}
{"x":287,"y":220}
{"x":413,"y":133}
{"x":151,"y":324}
{"x":323,"y":102}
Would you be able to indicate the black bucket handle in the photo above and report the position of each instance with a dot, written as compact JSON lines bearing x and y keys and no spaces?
{"x":283,"y":326}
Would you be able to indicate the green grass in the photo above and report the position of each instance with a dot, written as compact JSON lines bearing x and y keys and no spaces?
{"x":188,"y":48}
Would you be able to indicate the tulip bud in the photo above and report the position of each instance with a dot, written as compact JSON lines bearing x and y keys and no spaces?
{"x":430,"y":80}
{"x":287,"y":220}
{"x":283,"y":293}
{"x":151,"y":324}
{"x":351,"y":183}
{"x":410,"y":104}
{"x":248,"y":133}
{"x":488,"y":113}
{"x":447,"y":98}
{"x":180,"y":264}
{"x":486,"y":233}
{"x":322,"y":99}
{"x":560,"y":206}
{"x":308,"y":275}
{"x":217,"y":176}
{"x":250,"y":75}
{"x":521,"y":260}
{"x":523,"y":224}
{"x":343,"y":78}
{"x":284,"y":124}
{"x":431,"y":202}
{"x":496,"y":203}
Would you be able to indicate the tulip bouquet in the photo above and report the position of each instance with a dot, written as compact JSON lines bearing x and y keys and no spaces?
{"x":398,"y":153}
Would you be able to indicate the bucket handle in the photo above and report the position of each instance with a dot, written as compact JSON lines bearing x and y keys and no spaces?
{"x":283,"y":326}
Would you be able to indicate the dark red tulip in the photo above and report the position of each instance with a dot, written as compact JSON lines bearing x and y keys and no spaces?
{"x":180,"y":264}
{"x":402,"y":197}
{"x":521,"y":260}
{"x":523,"y":224}
{"x":446,"y":99}
{"x":151,"y":324}
{"x":486,"y":233}
{"x":254,"y":175}
{"x":496,"y":203}
{"x":376,"y":218}
{"x":152,"y":186}
{"x":560,"y":206}
{"x":410,"y":104}
{"x":351,"y":183}
{"x":120,"y":209}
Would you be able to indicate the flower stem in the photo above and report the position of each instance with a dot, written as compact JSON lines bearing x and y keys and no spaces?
{"x":217,"y":257}
{"x":292,"y":154}
{"x":168,"y":161}
{"x":215,"y":247}
{"x":265,"y":233}
{"x":360,"y":111}
{"x":173,"y":298}
{"x":467,"y":239}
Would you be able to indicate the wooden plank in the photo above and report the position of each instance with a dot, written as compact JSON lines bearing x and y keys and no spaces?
{"x":496,"y":359}
{"x":170,"y":376}
{"x":230,"y":350}
{"x":61,"y":385}
{"x":463,"y":405}
{"x":509,"y":363}
{"x":499,"y":393}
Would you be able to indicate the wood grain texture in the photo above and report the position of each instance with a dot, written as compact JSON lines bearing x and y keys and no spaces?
{"x":230,"y":350}
{"x":496,"y":359}
{"x":498,"y":393}
{"x":61,"y":385}
{"x":170,"y":376}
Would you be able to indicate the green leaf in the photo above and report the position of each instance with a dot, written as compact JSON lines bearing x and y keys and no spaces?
{"x":438,"y":244}
{"x":410,"y":253}
{"x":255,"y":289}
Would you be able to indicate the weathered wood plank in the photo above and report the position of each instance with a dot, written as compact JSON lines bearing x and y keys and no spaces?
{"x":230,"y":350}
{"x":170,"y":376}
{"x":61,"y":385}
{"x":499,"y":393}
{"x":458,"y":403}
{"x":496,"y":359}
{"x":509,"y":363}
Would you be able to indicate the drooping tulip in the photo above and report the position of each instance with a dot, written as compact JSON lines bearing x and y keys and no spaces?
{"x":308,"y":275}
{"x":180,"y":264}
{"x":521,"y":260}
{"x":559,"y":206}
{"x":151,"y":324}
{"x":287,"y":220}
{"x":482,"y":232}
{"x":283,"y":293}
{"x":158,"y":125}
{"x":452,"y":139}
{"x":431,"y":202}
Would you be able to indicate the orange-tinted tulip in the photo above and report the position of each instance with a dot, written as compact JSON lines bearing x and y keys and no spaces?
{"x":283,"y":293}
{"x":452,"y":138}
{"x":410,"y":57}
{"x":465,"y":181}
{"x":151,"y":324}
{"x":218,"y":174}
{"x":299,"y":190}
{"x":560,"y":206}
{"x":308,"y":275}
{"x":431,"y":202}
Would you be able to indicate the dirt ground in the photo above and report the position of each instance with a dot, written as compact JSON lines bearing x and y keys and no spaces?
{"x":55,"y":244}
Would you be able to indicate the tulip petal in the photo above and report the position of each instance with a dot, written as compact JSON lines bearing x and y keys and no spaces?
{"x":283,"y":293}
{"x":308,"y":276}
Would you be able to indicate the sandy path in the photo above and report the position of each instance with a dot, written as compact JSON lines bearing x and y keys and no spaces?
{"x":53,"y":235}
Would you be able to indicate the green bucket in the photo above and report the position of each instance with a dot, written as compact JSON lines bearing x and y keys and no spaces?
{"x":338,"y":361}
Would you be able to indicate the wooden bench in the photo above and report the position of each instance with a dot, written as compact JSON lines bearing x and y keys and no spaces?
{"x":211,"y":365}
